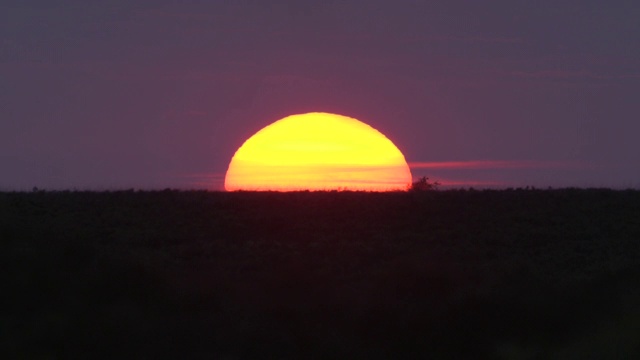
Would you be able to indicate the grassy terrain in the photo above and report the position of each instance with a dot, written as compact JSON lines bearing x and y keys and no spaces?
{"x":511,"y":274}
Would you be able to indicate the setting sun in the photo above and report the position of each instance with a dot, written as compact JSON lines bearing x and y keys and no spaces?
{"x":318,"y":151}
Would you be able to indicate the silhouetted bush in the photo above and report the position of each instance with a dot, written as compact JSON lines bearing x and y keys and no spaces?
{"x":423,"y":184}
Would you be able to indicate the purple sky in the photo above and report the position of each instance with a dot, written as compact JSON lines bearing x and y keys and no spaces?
{"x":154,"y":94}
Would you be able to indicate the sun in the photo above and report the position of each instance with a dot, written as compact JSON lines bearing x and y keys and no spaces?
{"x":318,"y":151}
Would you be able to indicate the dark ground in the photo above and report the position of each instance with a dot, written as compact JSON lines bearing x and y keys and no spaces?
{"x":512,"y":274}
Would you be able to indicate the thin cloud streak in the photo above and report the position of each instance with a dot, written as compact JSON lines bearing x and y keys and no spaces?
{"x":495,"y":164}
{"x":445,"y":183}
{"x":209,"y":181}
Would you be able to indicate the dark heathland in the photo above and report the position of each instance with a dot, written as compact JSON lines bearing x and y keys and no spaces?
{"x":510,"y":274}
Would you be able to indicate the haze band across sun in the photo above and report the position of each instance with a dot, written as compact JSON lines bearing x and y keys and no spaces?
{"x":318,"y":151}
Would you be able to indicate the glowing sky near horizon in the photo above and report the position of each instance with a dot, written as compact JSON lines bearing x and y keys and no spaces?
{"x":155,"y":94}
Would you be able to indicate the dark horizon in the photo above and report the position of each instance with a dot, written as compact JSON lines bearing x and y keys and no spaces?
{"x":464,"y":275}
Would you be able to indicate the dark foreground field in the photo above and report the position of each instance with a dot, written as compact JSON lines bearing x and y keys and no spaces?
{"x":513,"y":274}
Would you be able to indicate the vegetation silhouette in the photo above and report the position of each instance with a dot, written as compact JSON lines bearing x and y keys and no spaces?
{"x":482,"y":274}
{"x":423,"y":184}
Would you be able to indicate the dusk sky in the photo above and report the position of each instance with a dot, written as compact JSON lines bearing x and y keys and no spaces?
{"x":155,"y":94}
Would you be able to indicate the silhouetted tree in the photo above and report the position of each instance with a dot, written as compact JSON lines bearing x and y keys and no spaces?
{"x":423,"y":184}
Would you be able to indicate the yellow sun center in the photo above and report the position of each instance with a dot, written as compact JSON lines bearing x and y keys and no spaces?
{"x":318,"y":151}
